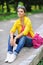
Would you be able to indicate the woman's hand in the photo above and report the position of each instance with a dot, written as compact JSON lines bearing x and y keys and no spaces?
{"x":15,"y":40}
{"x":11,"y":41}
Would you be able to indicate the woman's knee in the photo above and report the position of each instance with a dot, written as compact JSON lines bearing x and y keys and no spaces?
{"x":22,"y":40}
{"x":23,"y":37}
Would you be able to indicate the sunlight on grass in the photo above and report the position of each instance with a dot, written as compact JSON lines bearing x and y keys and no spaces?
{"x":4,"y":15}
{"x":8,"y":17}
{"x":41,"y":62}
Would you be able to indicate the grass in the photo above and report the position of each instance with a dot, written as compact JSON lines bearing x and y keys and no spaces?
{"x":8,"y":16}
{"x":41,"y":62}
{"x":37,"y":11}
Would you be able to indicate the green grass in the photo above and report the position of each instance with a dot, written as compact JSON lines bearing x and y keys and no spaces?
{"x":41,"y":62}
{"x":37,"y":11}
{"x":8,"y":16}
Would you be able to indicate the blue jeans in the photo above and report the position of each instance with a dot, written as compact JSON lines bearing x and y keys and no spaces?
{"x":23,"y":41}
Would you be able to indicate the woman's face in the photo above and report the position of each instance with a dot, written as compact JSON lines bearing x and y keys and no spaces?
{"x":21,"y":12}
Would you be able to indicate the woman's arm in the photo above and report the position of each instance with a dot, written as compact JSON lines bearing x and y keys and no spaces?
{"x":19,"y":35}
{"x":12,"y":31}
{"x":11,"y":39}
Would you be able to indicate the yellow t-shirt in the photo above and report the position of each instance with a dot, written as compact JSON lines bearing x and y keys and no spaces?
{"x":28,"y":27}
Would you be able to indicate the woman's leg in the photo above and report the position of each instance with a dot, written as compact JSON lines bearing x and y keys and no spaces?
{"x":12,"y":56}
{"x":28,"y":42}
{"x":20,"y":44}
{"x":10,"y":48}
{"x":9,"y":51}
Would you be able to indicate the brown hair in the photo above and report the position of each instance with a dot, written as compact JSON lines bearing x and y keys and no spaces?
{"x":22,"y":7}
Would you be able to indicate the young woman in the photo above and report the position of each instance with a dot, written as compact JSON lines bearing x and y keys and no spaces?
{"x":24,"y":37}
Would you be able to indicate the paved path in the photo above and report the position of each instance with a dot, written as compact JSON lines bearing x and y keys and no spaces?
{"x":37,"y":21}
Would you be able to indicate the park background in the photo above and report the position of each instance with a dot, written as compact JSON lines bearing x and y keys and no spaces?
{"x":8,"y":10}
{"x":8,"y":7}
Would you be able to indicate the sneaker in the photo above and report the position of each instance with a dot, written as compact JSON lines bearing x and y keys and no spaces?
{"x":12,"y":58}
{"x":7,"y":58}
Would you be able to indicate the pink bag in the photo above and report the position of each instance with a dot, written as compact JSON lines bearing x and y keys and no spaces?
{"x":37,"y":41}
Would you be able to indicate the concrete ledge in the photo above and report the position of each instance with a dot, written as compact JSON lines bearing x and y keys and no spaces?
{"x":34,"y":58}
{"x":27,"y":56}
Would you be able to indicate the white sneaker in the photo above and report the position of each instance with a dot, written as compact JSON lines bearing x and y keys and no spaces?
{"x":7,"y":58}
{"x":12,"y":58}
